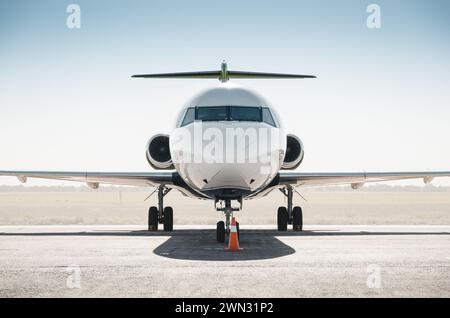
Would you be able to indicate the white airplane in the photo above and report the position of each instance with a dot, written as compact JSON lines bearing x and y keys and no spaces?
{"x":224,"y":170}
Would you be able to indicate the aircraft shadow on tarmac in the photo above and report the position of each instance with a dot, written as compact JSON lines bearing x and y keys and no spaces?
{"x":256,"y":244}
{"x":200,"y":244}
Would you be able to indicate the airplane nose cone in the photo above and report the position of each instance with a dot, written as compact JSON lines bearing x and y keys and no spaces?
{"x":231,"y":176}
{"x":209,"y":177}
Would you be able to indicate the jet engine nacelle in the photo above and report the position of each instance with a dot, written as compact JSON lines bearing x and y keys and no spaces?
{"x":294,"y":153}
{"x":158,"y":152}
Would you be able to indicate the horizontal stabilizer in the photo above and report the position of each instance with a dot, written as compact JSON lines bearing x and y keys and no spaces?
{"x":224,"y":75}
{"x":207,"y":74}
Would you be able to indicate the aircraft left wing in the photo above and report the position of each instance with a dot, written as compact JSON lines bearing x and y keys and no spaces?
{"x":93,"y":179}
{"x":355,"y":179}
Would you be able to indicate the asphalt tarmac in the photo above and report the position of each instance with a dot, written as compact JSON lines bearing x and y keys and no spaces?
{"x":321,"y":261}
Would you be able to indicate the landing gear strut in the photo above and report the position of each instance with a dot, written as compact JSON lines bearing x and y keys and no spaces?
{"x":222,"y":227}
{"x":289,"y":215}
{"x":161,"y":214}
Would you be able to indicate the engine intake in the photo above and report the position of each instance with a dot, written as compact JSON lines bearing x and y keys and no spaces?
{"x":294,"y":153}
{"x":158,"y":152}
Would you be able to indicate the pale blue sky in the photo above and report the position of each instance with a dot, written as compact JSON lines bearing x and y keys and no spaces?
{"x":381,"y":100}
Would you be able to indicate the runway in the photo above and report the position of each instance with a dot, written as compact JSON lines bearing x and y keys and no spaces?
{"x":322,"y":261}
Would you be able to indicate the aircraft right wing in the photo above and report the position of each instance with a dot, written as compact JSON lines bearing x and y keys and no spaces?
{"x":169,"y":179}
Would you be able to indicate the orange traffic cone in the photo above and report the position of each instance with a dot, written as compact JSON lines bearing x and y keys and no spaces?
{"x":233,"y":243}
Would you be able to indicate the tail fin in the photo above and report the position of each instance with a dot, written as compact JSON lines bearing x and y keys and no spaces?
{"x":224,"y":75}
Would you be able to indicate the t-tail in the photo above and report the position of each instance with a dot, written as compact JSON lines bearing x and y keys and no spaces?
{"x":224,"y":74}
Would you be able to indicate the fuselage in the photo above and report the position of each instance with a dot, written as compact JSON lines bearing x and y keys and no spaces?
{"x":228,"y":143}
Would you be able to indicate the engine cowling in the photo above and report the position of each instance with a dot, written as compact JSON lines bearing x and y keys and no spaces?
{"x":158,"y":152}
{"x":294,"y":153}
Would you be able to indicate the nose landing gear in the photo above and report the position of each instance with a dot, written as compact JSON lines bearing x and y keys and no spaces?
{"x":289,"y":215}
{"x":223,"y":228}
{"x":161,"y":214}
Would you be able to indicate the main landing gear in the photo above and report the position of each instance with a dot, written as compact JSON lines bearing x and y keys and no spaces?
{"x":289,"y":215}
{"x":161,"y":214}
{"x":223,"y":228}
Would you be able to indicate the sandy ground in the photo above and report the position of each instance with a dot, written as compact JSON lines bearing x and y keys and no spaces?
{"x":126,"y":261}
{"x":128,"y":207}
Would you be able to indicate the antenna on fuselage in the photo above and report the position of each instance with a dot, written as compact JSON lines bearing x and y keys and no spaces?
{"x":224,"y":75}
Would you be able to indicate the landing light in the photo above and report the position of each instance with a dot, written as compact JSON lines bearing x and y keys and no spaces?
{"x":356,"y":186}
{"x":428,"y":180}
{"x":22,"y":179}
{"x":93,"y":185}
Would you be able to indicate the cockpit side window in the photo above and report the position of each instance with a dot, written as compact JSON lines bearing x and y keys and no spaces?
{"x":267,"y":117}
{"x":189,"y":117}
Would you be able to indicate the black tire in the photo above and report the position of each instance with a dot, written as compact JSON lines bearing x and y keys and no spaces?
{"x":237,"y":230}
{"x":153,"y":219}
{"x":220,"y":232}
{"x":297,"y":219}
{"x":282,"y":218}
{"x":168,"y":219}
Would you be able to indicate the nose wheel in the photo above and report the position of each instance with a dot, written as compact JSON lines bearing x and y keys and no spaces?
{"x":161,"y":214}
{"x":220,"y":232}
{"x":223,"y":228}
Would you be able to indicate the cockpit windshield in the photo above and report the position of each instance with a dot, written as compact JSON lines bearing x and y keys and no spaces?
{"x":228,"y":113}
{"x":245,"y":113}
{"x":216,"y":113}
